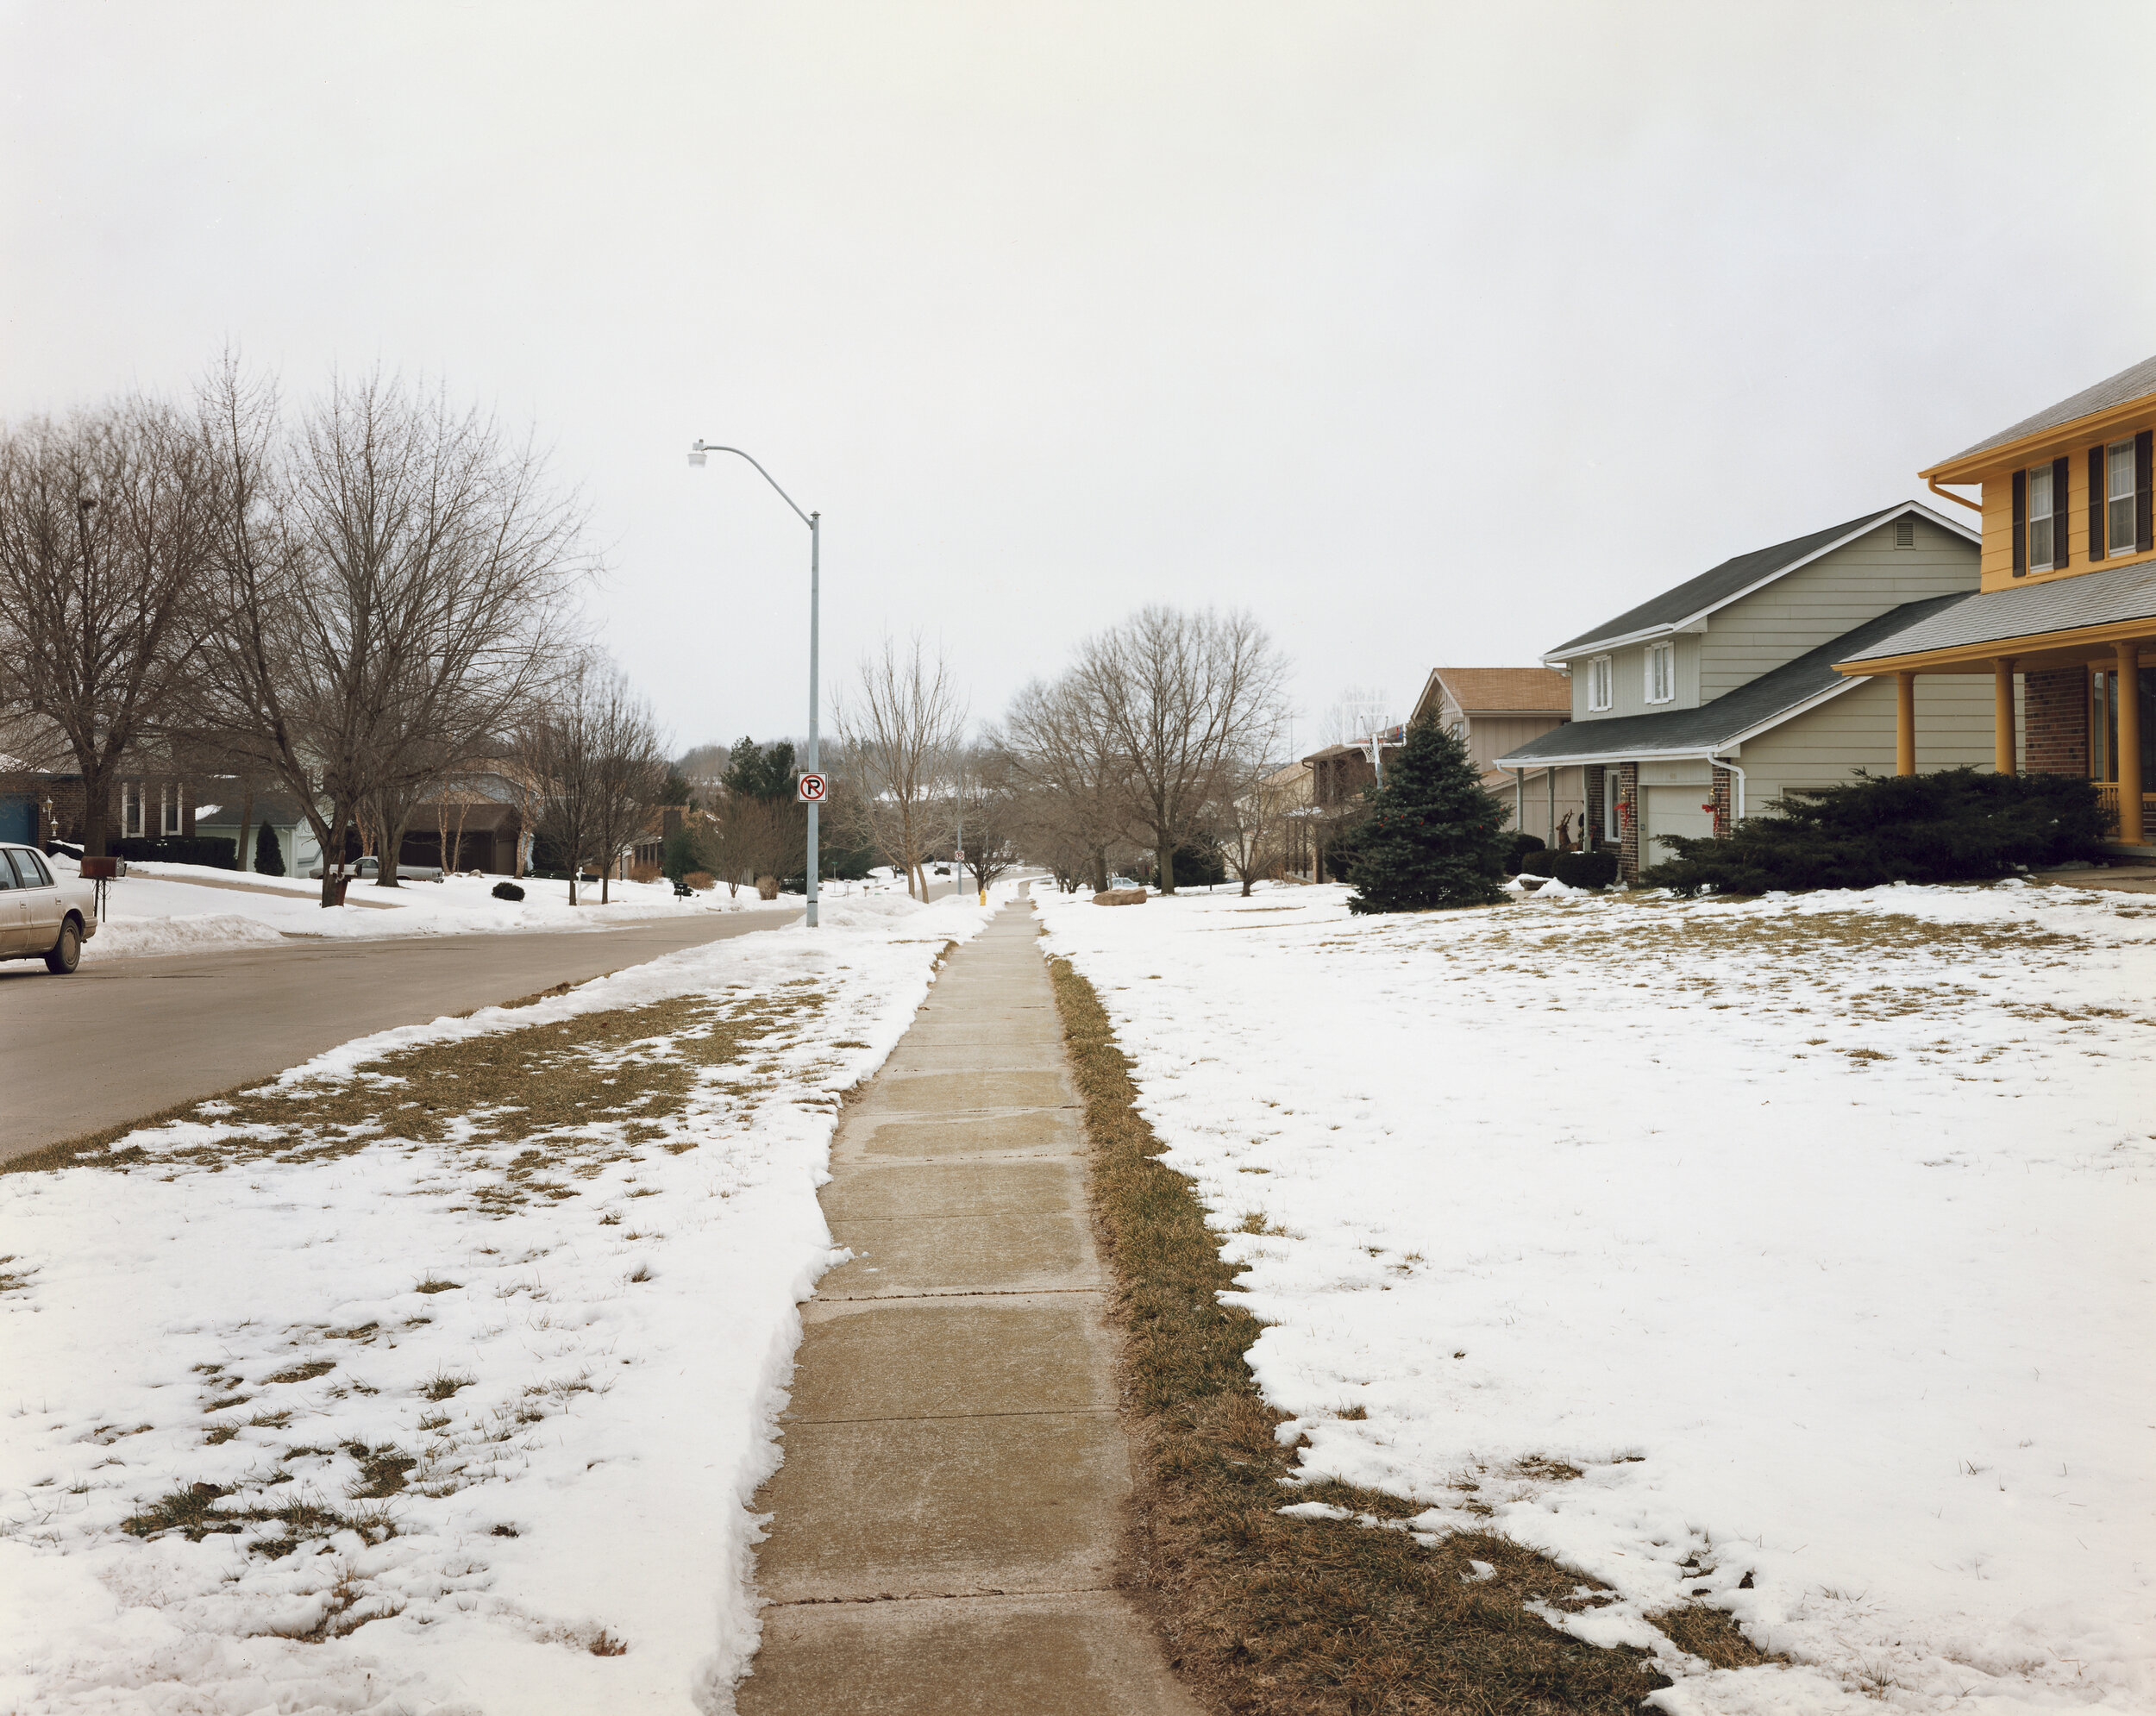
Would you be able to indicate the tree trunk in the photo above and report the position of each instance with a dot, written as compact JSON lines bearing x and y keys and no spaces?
{"x":244,"y":853}
{"x":332,"y":862}
{"x":392,"y":850}
{"x":96,"y":792}
{"x":1165,"y":867}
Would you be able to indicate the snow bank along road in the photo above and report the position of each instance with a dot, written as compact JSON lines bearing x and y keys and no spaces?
{"x":1792,"y":1253}
{"x":438,"y":1375}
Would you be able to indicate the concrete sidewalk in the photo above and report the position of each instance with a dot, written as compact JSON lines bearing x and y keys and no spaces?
{"x":946,"y":1522}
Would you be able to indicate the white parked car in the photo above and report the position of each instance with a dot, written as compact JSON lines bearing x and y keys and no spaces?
{"x":43,"y":916}
{"x":366,"y":869}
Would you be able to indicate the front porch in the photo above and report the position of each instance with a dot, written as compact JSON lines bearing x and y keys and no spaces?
{"x":2087,"y":707}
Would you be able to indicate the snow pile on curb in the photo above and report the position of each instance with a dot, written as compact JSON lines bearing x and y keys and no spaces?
{"x":1788,"y":1256}
{"x":538,"y":1419}
{"x":187,"y":908}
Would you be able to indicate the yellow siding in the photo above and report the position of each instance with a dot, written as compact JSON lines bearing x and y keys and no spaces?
{"x":1998,"y":509}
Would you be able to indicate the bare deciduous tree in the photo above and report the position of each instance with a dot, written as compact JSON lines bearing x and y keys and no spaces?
{"x":106,"y":523}
{"x":392,"y":577}
{"x":1186,"y":699}
{"x":900,"y":730}
{"x":1062,"y":743}
{"x":990,"y":802}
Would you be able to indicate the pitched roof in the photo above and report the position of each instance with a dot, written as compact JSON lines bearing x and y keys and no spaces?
{"x":2109,"y":596}
{"x":1498,"y":690}
{"x":1696,"y":597}
{"x":1759,"y":704}
{"x":2131,"y":383}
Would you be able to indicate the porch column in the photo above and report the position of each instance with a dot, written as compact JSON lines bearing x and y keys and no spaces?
{"x":2129,"y":701}
{"x":2003,"y":760}
{"x":1905,"y":723}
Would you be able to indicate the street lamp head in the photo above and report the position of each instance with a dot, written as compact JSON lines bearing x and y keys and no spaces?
{"x":696,"y":457}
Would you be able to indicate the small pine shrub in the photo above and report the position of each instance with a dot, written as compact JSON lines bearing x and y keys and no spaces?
{"x":269,"y":854}
{"x":1955,"y":826}
{"x":508,"y":891}
{"x":1433,"y":836}
{"x":1541,"y":861}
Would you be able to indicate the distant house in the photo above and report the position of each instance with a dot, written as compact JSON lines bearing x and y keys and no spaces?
{"x":2066,"y":614}
{"x":296,"y":846}
{"x":1696,"y":708}
{"x":1497,"y":710}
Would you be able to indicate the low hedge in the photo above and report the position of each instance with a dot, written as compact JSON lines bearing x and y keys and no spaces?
{"x":1957,"y":825}
{"x":211,"y":851}
{"x":1574,"y":869}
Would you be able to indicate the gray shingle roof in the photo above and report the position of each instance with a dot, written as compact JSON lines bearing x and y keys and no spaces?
{"x":1711,"y":589}
{"x":2093,"y":599}
{"x":2128,"y":384}
{"x":1753,"y":705}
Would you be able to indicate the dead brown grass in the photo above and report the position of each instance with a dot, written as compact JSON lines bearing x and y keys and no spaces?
{"x":1267,"y":1615}
{"x":566,"y":1097}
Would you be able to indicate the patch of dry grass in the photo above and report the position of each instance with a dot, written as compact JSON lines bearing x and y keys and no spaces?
{"x":566,"y":1097}
{"x":1264,"y":1614}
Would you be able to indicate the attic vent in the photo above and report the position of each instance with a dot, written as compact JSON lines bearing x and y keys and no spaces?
{"x":1905,"y":533}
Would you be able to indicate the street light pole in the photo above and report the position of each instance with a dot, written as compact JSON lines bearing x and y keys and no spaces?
{"x":814,"y":521}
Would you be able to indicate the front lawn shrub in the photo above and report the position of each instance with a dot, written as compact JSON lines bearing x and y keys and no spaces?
{"x":1586,"y":869}
{"x":1958,"y":825}
{"x":1541,"y":862}
{"x":1522,"y":844}
{"x":269,"y":854}
{"x":508,"y":891}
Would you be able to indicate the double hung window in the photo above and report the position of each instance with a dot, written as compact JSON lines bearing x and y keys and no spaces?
{"x":2119,"y":496}
{"x":1661,"y":673}
{"x":1599,"y":684}
{"x":2040,"y":519}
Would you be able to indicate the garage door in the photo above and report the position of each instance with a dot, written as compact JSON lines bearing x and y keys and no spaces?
{"x":18,"y":818}
{"x":1674,"y":809}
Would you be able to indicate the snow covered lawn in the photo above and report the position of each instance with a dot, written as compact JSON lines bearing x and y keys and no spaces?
{"x":1792,"y":1253}
{"x":186,"y":908}
{"x":438,"y":1375}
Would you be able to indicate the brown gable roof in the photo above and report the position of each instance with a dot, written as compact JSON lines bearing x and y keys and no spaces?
{"x":1505,"y":691}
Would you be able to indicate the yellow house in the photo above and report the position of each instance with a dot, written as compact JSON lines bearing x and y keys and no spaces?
{"x":2066,"y":600}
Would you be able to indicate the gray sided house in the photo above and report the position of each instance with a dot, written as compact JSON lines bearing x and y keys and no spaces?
{"x":1697,"y":707}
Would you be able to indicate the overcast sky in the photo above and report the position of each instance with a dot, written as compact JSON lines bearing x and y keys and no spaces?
{"x":1432,"y":333}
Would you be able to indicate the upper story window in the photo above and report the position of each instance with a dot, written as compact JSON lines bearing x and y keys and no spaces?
{"x":2118,"y":497}
{"x":2039,"y":517}
{"x":1661,"y":673}
{"x":1600,"y":683}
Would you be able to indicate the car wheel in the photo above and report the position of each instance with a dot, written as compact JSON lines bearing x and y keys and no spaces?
{"x":66,"y":953}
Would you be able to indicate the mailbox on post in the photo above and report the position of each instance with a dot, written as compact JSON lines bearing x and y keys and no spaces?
{"x":101,"y":871}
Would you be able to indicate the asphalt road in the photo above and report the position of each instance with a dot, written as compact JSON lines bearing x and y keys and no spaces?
{"x":125,"y":1038}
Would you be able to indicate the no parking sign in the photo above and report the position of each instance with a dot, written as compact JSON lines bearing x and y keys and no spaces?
{"x":812,"y":788}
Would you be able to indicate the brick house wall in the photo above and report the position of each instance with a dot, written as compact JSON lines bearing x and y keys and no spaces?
{"x":1628,"y":820}
{"x":1724,"y":800}
{"x":2055,"y":721}
{"x":1592,"y":832}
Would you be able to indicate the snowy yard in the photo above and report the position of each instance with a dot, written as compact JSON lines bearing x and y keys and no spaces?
{"x":1791,"y":1253}
{"x":185,"y":908}
{"x":439,"y":1374}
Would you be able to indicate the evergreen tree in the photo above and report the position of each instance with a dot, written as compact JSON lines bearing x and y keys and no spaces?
{"x":1433,"y":836}
{"x":269,"y":856}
